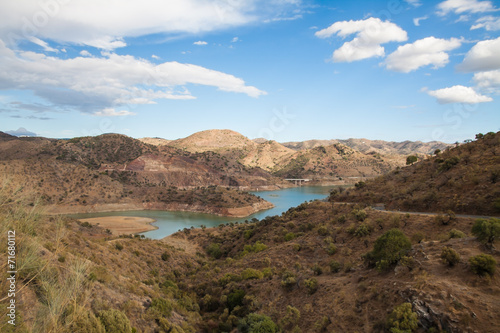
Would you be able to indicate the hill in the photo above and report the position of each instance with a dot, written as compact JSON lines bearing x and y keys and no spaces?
{"x":213,"y":140}
{"x":155,"y":141}
{"x":375,"y":146}
{"x":114,"y":172}
{"x":464,"y":179}
{"x":308,"y":270}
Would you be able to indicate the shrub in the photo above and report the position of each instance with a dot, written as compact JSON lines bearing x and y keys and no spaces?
{"x":317,"y":270}
{"x":119,"y":246}
{"x":214,"y":250}
{"x":402,"y":319}
{"x":323,"y":230}
{"x":454,"y":233}
{"x":322,"y":324}
{"x":363,"y":230}
{"x":341,"y":219}
{"x":296,"y":247}
{"x":486,"y":231}
{"x":331,"y":249}
{"x":115,"y":321}
{"x":250,"y":273}
{"x":483,"y":264}
{"x":335,"y":266}
{"x":289,"y":236}
{"x":235,"y":299}
{"x":418,"y":237}
{"x":257,"y":323}
{"x":359,"y":214}
{"x":388,"y":249}
{"x":165,"y":256}
{"x":86,"y":322}
{"x":163,"y":306}
{"x":450,"y":256}
{"x":291,"y":317}
{"x":288,"y":280}
{"x":257,"y":247}
{"x":311,"y":285}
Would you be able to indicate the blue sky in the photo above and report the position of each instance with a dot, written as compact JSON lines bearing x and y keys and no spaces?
{"x":286,"y":70}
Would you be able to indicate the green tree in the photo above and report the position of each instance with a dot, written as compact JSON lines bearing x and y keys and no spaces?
{"x":483,"y":264}
{"x":402,"y":319}
{"x":486,"y":231}
{"x":389,"y":248}
{"x":257,"y":323}
{"x":411,"y":159}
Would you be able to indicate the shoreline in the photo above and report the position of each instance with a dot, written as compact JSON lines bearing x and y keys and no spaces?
{"x":122,"y":225}
{"x":175,"y":207}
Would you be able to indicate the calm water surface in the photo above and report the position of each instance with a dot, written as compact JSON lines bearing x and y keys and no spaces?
{"x":170,"y":222}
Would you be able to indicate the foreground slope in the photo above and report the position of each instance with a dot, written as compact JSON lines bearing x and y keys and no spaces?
{"x":302,"y":271}
{"x":464,"y":179}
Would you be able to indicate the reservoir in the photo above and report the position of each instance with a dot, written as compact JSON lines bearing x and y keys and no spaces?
{"x":171,"y":222}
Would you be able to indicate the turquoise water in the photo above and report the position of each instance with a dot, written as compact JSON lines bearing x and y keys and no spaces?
{"x":170,"y":222}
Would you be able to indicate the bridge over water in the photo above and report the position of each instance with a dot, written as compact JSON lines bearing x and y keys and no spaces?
{"x":298,"y":181}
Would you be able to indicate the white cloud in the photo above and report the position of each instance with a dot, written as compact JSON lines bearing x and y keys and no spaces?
{"x":234,"y":40}
{"x":483,"y":56}
{"x":200,"y":42}
{"x":463,"y":6}
{"x":489,"y":23}
{"x":488,"y":80}
{"x":111,"y":112}
{"x":414,"y":3}
{"x":85,"y":53}
{"x":43,"y":44}
{"x":104,"y":24}
{"x":370,"y":34}
{"x":417,"y":20}
{"x":423,"y":52}
{"x":92,"y":84}
{"x":154,"y":56}
{"x":458,"y":94}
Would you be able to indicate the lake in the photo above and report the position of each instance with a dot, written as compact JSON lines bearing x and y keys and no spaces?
{"x":171,"y":222}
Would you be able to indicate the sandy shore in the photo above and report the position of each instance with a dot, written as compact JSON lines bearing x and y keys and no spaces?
{"x":123,"y":225}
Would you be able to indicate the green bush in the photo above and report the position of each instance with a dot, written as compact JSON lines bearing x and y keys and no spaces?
{"x":291,"y":317}
{"x":359,"y":214}
{"x":389,"y":249}
{"x":119,"y":246}
{"x":257,"y":247}
{"x":257,"y":323}
{"x":115,"y":321}
{"x":250,"y":273}
{"x":450,"y":256}
{"x":311,"y":285}
{"x":163,"y":306}
{"x":289,"y":236}
{"x":486,"y":231}
{"x":363,"y":230}
{"x":235,"y":299}
{"x":483,"y":264}
{"x":323,"y":230}
{"x":87,"y":322}
{"x":335,"y":266}
{"x":214,"y":250}
{"x":288,"y":280}
{"x":331,"y":249}
{"x":402,"y":319}
{"x":317,"y":270}
{"x":454,"y":233}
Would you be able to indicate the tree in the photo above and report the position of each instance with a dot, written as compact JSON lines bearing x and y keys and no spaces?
{"x":411,"y":159}
{"x":437,"y":151}
{"x":486,"y":231}
{"x":389,"y":249}
{"x":402,"y":319}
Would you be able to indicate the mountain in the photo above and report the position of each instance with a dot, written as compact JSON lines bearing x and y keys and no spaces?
{"x":155,"y":141}
{"x":213,"y":140}
{"x":464,"y":179}
{"x":116,"y":172}
{"x":4,"y":136}
{"x":375,"y":146}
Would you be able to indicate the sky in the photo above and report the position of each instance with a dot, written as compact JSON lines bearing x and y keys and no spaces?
{"x":284,"y":70}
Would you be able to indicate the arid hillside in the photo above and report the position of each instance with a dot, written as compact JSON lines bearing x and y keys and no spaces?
{"x":318,"y":267}
{"x":464,"y":179}
{"x":115,"y":172}
{"x":375,"y":146}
